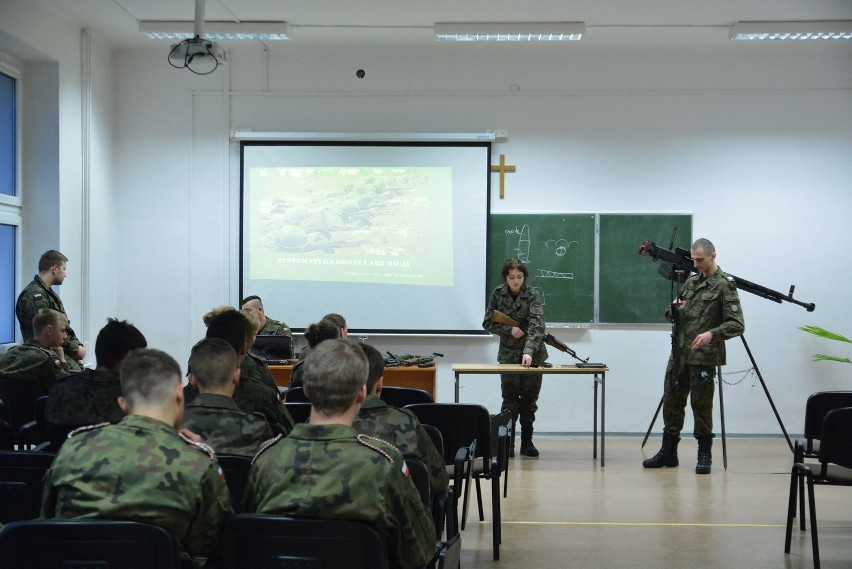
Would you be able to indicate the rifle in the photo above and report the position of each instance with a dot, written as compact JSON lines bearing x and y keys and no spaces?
{"x":680,"y":258}
{"x":410,"y":360}
{"x":502,"y":318}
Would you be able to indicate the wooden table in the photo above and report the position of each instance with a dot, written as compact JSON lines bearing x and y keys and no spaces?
{"x":599,"y":377}
{"x":403,"y":376}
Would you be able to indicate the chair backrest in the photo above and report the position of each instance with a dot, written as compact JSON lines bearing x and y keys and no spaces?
{"x":835,"y":447}
{"x":402,"y":396}
{"x":6,"y":437}
{"x":501,"y":428}
{"x":236,"y":468}
{"x":450,"y":554}
{"x":21,"y":484}
{"x":419,"y":474}
{"x":19,"y":398}
{"x":817,"y":407}
{"x":39,"y":412}
{"x":261,"y":540}
{"x":295,"y":395}
{"x":299,"y":410}
{"x":43,"y":544}
{"x":435,"y":434}
{"x":459,"y":423}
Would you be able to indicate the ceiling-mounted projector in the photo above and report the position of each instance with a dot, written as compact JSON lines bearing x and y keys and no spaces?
{"x":199,"y":55}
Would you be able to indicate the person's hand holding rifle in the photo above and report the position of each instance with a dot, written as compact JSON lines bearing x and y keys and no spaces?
{"x":501,"y":318}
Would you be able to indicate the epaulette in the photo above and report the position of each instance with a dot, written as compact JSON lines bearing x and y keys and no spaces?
{"x":203,"y":447}
{"x":87,"y":428}
{"x":265,"y":445}
{"x":365,"y":440}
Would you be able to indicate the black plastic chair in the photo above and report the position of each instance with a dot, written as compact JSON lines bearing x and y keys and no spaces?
{"x":7,"y":438}
{"x":299,"y":410}
{"x":19,"y":397}
{"x":449,"y":555}
{"x":252,"y":541}
{"x":236,"y":468}
{"x":21,"y":484}
{"x":296,"y":395}
{"x":402,"y":396}
{"x":435,"y":435}
{"x":87,"y":544}
{"x":419,"y":474}
{"x":834,"y":469}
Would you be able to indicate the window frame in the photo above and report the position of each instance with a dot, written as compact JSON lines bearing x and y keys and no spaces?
{"x":11,"y":207}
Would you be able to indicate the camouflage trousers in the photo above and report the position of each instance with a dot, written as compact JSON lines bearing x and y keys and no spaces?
{"x":697,"y":382}
{"x":520,"y":395}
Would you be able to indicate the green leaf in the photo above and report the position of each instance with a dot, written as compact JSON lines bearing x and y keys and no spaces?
{"x":823,"y":333}
{"x":825,"y":358}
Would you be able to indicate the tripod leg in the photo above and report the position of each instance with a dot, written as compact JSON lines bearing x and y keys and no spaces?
{"x":722,"y":416}
{"x":654,"y":420}
{"x":769,"y":397}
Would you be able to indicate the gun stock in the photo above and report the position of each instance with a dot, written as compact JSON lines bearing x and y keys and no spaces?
{"x":501,"y":318}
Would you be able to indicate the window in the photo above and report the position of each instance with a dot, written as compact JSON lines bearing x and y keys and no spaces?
{"x":10,"y":198}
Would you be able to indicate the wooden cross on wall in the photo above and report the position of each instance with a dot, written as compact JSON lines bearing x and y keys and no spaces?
{"x":502,"y":168}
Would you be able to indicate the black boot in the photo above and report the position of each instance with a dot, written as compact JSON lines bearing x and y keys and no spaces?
{"x":705,"y":457}
{"x":527,"y":446}
{"x":667,"y":457}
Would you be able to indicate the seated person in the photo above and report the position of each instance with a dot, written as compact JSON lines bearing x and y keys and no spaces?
{"x":213,"y":415}
{"x":254,"y":367}
{"x":91,"y":396}
{"x":142,"y":469}
{"x":42,"y":359}
{"x":398,"y":426}
{"x":324,"y":469}
{"x":268,"y":326}
{"x":251,"y":395}
{"x":332,"y":318}
{"x":315,"y":333}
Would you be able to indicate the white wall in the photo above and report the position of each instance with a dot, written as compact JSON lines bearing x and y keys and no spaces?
{"x":754,"y":140}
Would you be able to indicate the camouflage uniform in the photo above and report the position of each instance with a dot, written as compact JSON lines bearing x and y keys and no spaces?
{"x":141,"y":470}
{"x":257,"y":392}
{"x":330,"y":472}
{"x":218,"y":420}
{"x":710,"y":304}
{"x":274,"y":328}
{"x":85,"y":398}
{"x":257,"y":369}
{"x":31,"y":362}
{"x":35,"y":296}
{"x":401,"y":428}
{"x":297,"y":373}
{"x":520,"y":391}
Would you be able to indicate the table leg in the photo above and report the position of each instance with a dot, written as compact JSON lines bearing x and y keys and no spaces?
{"x":603,"y":417}
{"x":595,"y":418}
{"x":457,"y":387}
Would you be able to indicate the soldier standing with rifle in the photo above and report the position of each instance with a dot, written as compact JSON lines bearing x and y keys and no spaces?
{"x":707,"y":313}
{"x":521,"y":344}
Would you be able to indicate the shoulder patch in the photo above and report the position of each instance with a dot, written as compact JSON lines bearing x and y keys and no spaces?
{"x":79,"y":430}
{"x":37,"y":296}
{"x":367,"y":441}
{"x":205,"y":448}
{"x":265,"y":445}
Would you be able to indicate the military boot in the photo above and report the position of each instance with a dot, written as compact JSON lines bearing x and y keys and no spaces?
{"x":667,"y":457}
{"x":527,"y":446}
{"x":705,"y":458}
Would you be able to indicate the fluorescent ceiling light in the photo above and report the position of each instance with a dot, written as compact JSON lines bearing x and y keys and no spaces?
{"x":812,"y":30}
{"x":510,"y":31}
{"x":264,"y":31}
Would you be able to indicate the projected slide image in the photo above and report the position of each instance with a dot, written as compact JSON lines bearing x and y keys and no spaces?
{"x":352,"y":224}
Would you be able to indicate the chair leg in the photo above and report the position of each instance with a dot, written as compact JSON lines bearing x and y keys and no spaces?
{"x":479,"y":501}
{"x":801,"y":503}
{"x":812,"y":505}
{"x":497,"y":530}
{"x":466,"y":502}
{"x":795,"y":480}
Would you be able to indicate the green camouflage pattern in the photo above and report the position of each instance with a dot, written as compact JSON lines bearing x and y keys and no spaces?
{"x":709,"y":304}
{"x":141,"y":470}
{"x":35,"y":297}
{"x":331,"y":472}
{"x":402,"y":429}
{"x":257,"y":392}
{"x":31,"y":362}
{"x":256,"y":369}
{"x":520,"y":396}
{"x":296,"y":375}
{"x":274,"y":328}
{"x":218,"y":420}
{"x":85,"y":398}
{"x":526,"y":306}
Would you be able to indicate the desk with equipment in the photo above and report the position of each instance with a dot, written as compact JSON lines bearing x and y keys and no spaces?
{"x":400,"y":376}
{"x":599,"y":377}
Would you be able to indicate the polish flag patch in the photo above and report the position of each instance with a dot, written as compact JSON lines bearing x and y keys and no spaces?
{"x":37,"y":296}
{"x":404,"y":469}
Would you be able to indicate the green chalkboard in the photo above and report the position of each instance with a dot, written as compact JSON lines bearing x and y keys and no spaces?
{"x":559,"y":251}
{"x":631,"y":289}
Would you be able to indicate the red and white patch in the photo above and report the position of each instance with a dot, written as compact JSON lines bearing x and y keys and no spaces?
{"x":37,"y":296}
{"x":404,"y":469}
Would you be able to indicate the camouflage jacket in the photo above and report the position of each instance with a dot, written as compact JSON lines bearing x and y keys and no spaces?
{"x":330,"y":472}
{"x":85,"y":398}
{"x":402,"y":429}
{"x":709,"y":304}
{"x":274,"y":328}
{"x":31,"y":362}
{"x":34,"y":297}
{"x":256,"y":369}
{"x":141,"y":470}
{"x":253,"y":396}
{"x":526,"y":306}
{"x":218,"y":420}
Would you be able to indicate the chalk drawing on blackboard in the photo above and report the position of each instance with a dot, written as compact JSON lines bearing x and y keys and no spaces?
{"x":560,"y":246}
{"x":523,"y":249}
{"x":545,"y":274}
